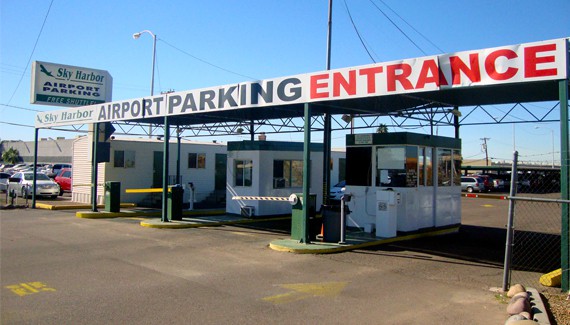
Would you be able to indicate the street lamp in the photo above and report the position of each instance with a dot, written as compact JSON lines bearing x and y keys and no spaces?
{"x":136,"y":36}
{"x":552,"y":136}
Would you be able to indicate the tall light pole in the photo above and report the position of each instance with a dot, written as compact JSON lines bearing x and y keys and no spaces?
{"x":136,"y":36}
{"x":552,"y":139}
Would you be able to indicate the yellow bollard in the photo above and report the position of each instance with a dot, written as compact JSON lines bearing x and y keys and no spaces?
{"x":552,"y":279}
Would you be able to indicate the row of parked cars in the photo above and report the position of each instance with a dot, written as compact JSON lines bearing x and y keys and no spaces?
{"x":481,"y":183}
{"x":51,"y":180}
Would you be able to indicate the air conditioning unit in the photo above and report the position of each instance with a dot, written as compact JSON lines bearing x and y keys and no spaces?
{"x":247,"y":211}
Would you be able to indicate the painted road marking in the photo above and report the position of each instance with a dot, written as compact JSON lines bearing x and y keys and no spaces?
{"x":307,"y":290}
{"x":28,"y":288}
{"x":487,"y":205}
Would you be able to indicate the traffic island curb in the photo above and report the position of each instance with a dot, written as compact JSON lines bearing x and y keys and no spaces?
{"x":352,"y":243}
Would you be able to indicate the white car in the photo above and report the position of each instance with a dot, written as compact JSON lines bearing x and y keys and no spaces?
{"x":337,"y":191}
{"x":4,"y":181}
{"x":45,"y":186}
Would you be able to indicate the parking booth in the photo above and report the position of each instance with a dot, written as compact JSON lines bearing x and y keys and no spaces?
{"x":403,"y":182}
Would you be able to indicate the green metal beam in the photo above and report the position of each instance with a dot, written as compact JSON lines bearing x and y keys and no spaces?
{"x":34,"y":182}
{"x":564,"y":185}
{"x":94,"y":171}
{"x":165,"y":160}
{"x":306,"y":174}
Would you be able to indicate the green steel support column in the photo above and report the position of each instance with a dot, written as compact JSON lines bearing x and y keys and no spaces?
{"x":165,"y":160}
{"x":178,"y":180}
{"x":564,"y":184}
{"x":306,"y":173}
{"x":456,"y":122}
{"x":326,"y":158}
{"x":94,"y":167}
{"x":35,"y":169}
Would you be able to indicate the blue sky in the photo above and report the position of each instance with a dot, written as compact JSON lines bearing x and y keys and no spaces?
{"x":262,"y":39}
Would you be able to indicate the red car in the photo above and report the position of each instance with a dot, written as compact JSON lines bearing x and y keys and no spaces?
{"x":63,"y":178}
{"x":488,"y":181}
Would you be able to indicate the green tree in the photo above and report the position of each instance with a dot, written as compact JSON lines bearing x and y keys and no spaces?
{"x":11,"y":156}
{"x":382,"y":128}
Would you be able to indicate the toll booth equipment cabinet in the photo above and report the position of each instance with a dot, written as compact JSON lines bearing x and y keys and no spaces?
{"x":332,"y":223}
{"x":175,"y":202}
{"x":112,"y":196}
{"x":298,"y":223}
{"x":404,"y":180}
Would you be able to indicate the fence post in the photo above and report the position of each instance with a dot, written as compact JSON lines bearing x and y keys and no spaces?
{"x":510,"y":230}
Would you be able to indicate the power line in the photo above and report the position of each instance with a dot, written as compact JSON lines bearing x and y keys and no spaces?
{"x":358,"y":33}
{"x":31,"y":54}
{"x":206,"y":62}
{"x":16,"y":124}
{"x":395,"y":25}
{"x":22,"y":108}
{"x":412,"y":27}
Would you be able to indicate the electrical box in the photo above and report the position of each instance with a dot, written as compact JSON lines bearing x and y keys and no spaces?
{"x":387,"y":213}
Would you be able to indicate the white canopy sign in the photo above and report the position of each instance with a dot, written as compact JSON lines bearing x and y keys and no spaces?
{"x":529,"y":62}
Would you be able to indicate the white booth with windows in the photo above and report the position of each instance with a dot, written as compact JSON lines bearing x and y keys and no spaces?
{"x":402,"y":182}
{"x":273,"y":169}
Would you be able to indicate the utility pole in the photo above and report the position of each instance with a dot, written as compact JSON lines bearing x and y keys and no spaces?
{"x":484,"y":145}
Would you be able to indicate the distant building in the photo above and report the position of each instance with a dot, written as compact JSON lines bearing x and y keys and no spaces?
{"x":50,"y":150}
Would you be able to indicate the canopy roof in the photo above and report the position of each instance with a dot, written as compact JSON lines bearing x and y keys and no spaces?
{"x":510,"y":74}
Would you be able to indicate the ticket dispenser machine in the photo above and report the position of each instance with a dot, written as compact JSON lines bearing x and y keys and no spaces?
{"x":403,"y":182}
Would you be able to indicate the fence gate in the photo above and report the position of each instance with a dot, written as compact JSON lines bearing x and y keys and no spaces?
{"x":536,"y":225}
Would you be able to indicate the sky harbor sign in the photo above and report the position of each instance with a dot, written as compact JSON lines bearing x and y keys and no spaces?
{"x":65,"y":85}
{"x":546,"y":60}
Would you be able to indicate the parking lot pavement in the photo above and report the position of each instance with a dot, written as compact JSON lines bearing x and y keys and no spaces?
{"x":57,"y":268}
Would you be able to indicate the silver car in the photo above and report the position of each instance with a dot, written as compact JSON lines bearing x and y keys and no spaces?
{"x":45,"y":186}
{"x":4,"y":181}
{"x":472,"y":184}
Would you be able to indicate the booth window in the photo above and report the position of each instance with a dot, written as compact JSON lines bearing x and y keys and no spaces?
{"x":457,"y":158}
{"x":287,"y":173}
{"x":124,"y":159}
{"x":444,"y":167}
{"x":425,"y":166}
{"x":397,"y":166}
{"x":197,"y":160}
{"x":242,"y":172}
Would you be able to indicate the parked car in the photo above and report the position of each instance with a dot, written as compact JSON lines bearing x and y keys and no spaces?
{"x":337,"y":191}
{"x":472,"y":184}
{"x":4,"y":181}
{"x":3,"y":167}
{"x":56,"y":168}
{"x":488,"y":182}
{"x":63,"y":179}
{"x":23,"y":187}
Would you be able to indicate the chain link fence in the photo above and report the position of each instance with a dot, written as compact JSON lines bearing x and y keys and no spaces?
{"x":537,"y":226}
{"x":536,"y":241}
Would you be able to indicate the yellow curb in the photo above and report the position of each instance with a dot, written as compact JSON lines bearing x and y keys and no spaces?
{"x":178,"y":225}
{"x":130,"y":214}
{"x":76,"y":206}
{"x":552,"y":279}
{"x":343,"y":248}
